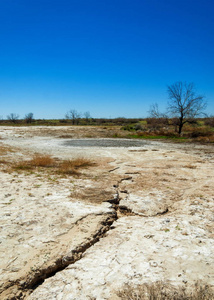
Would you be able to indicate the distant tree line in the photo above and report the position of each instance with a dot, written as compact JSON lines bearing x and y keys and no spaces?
{"x":76,"y":116}
{"x":71,"y":118}
{"x":184,"y":106}
{"x":13,"y":117}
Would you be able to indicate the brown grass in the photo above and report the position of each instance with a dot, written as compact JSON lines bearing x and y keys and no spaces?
{"x":5,"y":149}
{"x":37,"y":161}
{"x":42,"y":161}
{"x":70,"y":167}
{"x":161,"y":291}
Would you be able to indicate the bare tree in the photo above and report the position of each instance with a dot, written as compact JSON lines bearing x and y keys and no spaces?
{"x":184,"y":104}
{"x":29,"y":118}
{"x":13,"y":117}
{"x":73,"y":115}
{"x":154,"y":111}
{"x":87,"y":116}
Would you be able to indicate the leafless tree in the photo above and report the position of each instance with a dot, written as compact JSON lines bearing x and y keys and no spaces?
{"x":13,"y":117}
{"x":184,"y":104}
{"x":73,"y":115}
{"x":154,"y":111}
{"x":87,"y":115}
{"x":29,"y":118}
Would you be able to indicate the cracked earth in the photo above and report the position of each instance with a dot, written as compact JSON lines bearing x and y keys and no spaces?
{"x":142,"y":213}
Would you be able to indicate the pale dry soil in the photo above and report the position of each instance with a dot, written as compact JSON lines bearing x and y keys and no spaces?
{"x":140,"y":214}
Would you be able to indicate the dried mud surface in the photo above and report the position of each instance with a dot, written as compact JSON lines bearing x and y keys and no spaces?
{"x":141,"y":213}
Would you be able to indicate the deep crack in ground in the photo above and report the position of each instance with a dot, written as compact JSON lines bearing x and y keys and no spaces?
{"x":25,"y":286}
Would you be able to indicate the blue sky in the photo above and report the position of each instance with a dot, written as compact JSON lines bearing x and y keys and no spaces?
{"x":112,"y":58}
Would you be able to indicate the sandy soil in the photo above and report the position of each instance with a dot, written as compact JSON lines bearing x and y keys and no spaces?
{"x":141,"y":213}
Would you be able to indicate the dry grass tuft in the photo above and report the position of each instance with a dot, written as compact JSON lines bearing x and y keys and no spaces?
{"x":72,"y":166}
{"x":69,"y":167}
{"x":42,"y":161}
{"x":37,"y":161}
{"x":5,"y":149}
{"x":22,"y":166}
{"x":161,"y":291}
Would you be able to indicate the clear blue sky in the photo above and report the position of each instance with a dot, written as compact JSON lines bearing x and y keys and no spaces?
{"x":113,"y":58}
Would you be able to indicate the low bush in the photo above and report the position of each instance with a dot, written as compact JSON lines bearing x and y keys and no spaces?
{"x":129,"y":127}
{"x":139,"y":126}
{"x":209,"y":121}
{"x":199,"y":132}
{"x":157,"y":123}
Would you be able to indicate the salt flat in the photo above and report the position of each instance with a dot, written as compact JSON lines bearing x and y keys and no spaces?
{"x":141,"y":213}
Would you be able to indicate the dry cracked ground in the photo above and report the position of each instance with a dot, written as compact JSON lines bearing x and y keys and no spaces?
{"x":142,"y":212}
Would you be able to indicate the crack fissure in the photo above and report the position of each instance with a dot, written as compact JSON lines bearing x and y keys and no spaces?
{"x":23,"y":287}
{"x":77,"y":253}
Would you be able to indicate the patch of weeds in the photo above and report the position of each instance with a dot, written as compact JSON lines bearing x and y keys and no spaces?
{"x":10,"y":202}
{"x":5,"y":149}
{"x":30,"y":173}
{"x":38,"y":175}
{"x":37,"y":185}
{"x":22,"y":166}
{"x":152,"y":137}
{"x":52,"y":166}
{"x":42,"y":161}
{"x":36,"y":161}
{"x":165,"y":229}
{"x":161,"y":291}
{"x":53,"y":179}
{"x":73,"y":166}
{"x":178,"y":227}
